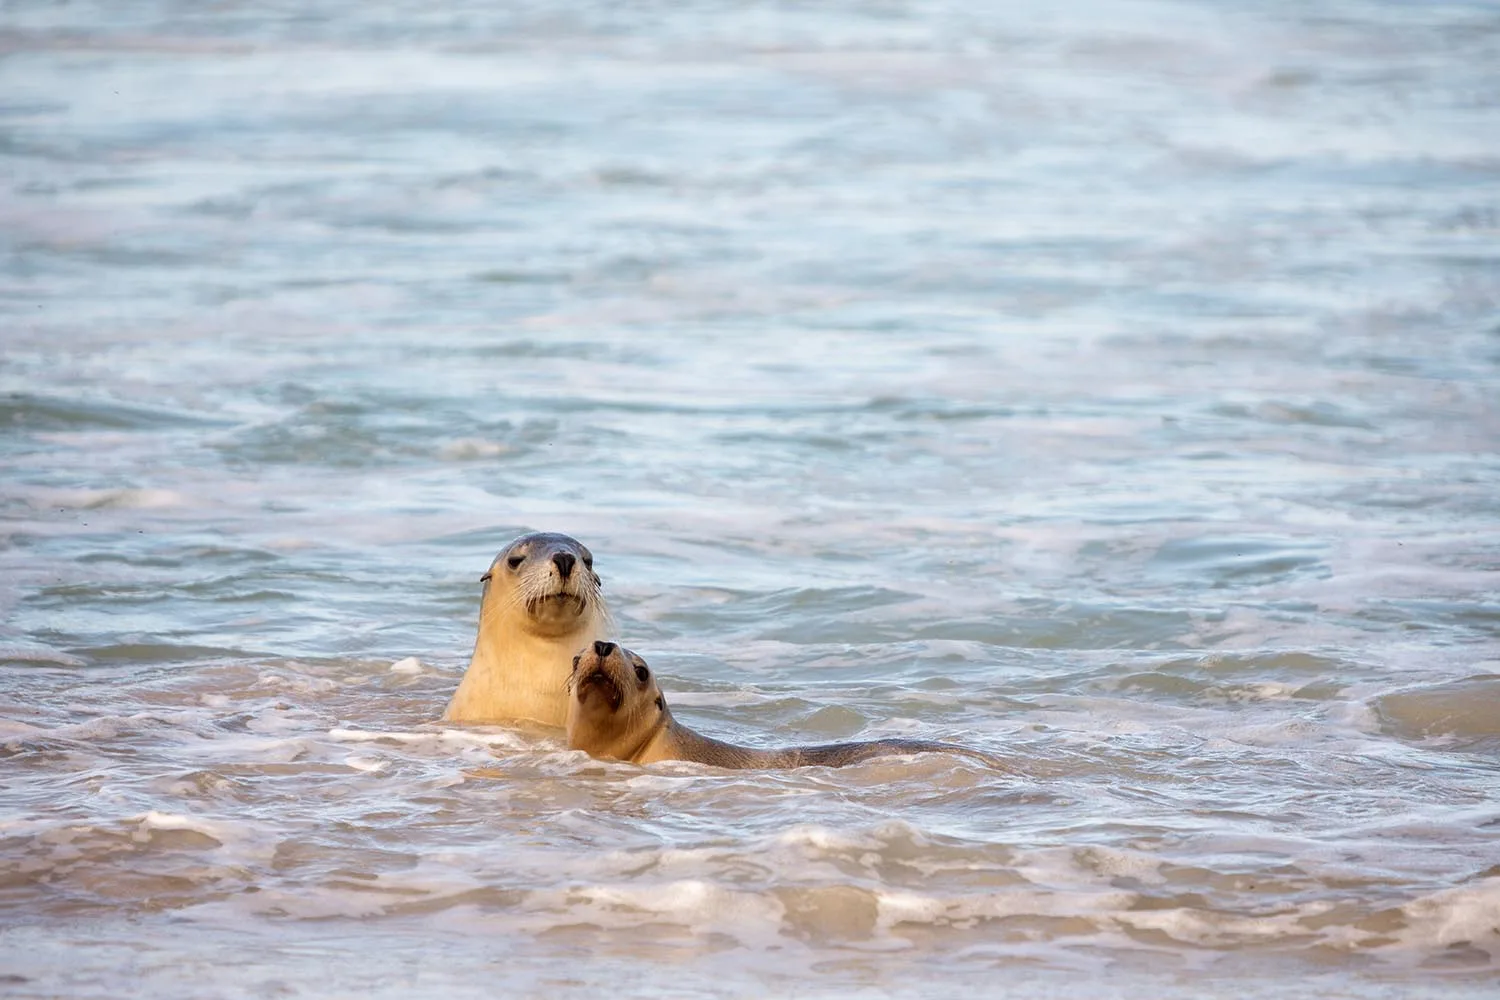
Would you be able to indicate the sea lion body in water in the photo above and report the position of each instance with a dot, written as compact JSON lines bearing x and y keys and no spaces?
{"x":541,"y":602}
{"x":616,"y":711}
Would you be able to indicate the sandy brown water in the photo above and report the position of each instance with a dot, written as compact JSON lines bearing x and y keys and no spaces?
{"x":1111,"y":388}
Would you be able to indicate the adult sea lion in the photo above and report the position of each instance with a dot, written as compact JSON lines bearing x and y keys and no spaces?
{"x":617,"y":711}
{"x":541,"y":602}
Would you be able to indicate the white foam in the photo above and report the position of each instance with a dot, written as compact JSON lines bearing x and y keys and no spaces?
{"x":105,"y":727}
{"x":1218,"y":929}
{"x":1358,"y":716}
{"x":259,"y":748}
{"x":1114,"y":863}
{"x":753,"y":918}
{"x":273,"y":721}
{"x":801,"y":854}
{"x":1263,"y":691}
{"x":407,"y":665}
{"x":370,"y":765}
{"x":455,"y":737}
{"x":301,"y":684}
{"x":822,"y":838}
{"x":1467,"y":914}
{"x":647,"y":783}
{"x":239,"y":840}
{"x":154,"y":820}
{"x":897,"y":907}
{"x":370,"y":736}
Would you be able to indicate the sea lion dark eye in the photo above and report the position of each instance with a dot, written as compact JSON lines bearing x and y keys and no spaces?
{"x":641,"y":673}
{"x":515,"y":561}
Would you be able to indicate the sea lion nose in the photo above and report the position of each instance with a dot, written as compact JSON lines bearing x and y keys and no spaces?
{"x":603,"y":648}
{"x":564,"y":563}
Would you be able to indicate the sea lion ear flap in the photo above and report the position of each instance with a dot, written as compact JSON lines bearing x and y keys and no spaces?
{"x":485,"y":578}
{"x":661,"y":703}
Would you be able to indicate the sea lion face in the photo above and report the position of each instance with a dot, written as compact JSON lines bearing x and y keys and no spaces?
{"x":614,"y":706}
{"x":550,"y":577}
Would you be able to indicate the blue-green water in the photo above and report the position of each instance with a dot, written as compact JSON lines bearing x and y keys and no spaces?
{"x":1112,"y":387}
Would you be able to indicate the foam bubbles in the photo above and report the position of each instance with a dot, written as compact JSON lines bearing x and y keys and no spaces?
{"x":1466,"y":915}
{"x":495,"y":738}
{"x":407,"y":665}
{"x":154,"y":821}
{"x":752,"y":918}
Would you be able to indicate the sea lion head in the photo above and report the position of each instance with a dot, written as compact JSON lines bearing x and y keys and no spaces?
{"x":549,"y":578}
{"x":614,"y":705}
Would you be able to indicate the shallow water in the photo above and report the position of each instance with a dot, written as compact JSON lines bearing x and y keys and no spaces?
{"x":1113,"y":388}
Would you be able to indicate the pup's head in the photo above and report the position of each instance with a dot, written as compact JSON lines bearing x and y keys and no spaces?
{"x":614,"y":705}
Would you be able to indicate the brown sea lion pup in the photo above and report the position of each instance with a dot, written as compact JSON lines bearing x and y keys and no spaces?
{"x":541,"y":602}
{"x":617,"y":712}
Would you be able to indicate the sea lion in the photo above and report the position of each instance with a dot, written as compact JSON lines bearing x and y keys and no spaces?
{"x":618,"y":712}
{"x":541,"y":602}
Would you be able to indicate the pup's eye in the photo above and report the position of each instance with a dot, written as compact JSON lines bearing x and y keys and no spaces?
{"x":515,"y":561}
{"x":641,"y":673}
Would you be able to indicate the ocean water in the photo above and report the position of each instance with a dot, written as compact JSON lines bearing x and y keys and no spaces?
{"x":1113,"y":386}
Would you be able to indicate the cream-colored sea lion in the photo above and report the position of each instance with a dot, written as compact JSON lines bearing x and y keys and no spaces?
{"x":541,"y":602}
{"x":618,"y":712}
